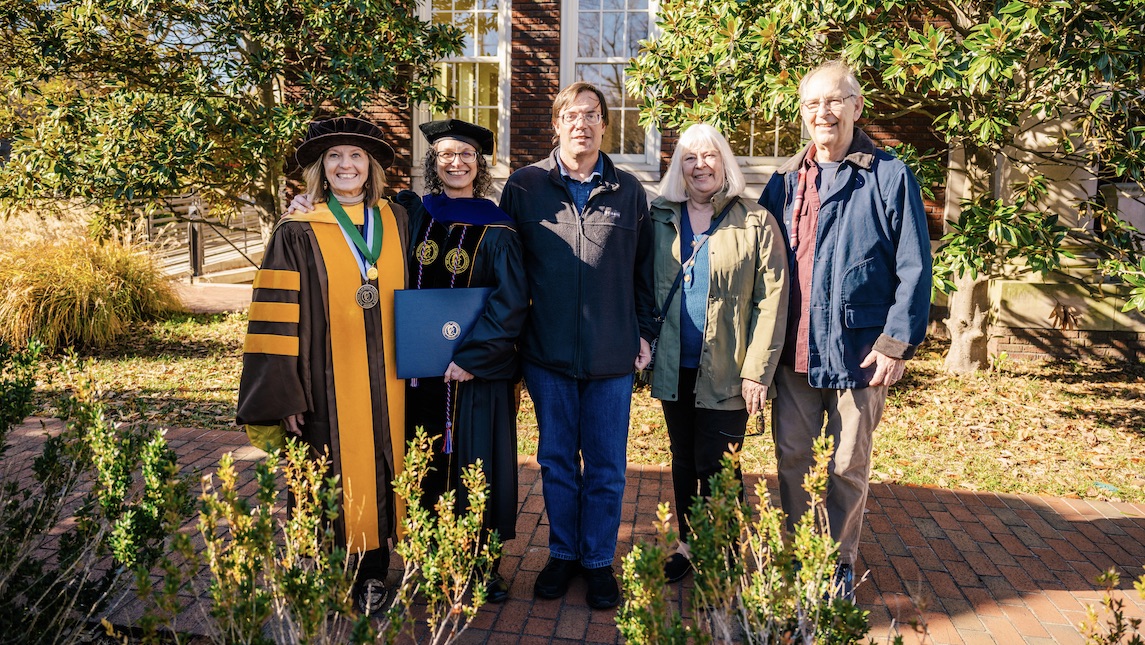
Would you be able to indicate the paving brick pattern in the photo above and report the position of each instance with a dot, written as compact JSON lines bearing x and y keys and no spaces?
{"x":983,"y":567}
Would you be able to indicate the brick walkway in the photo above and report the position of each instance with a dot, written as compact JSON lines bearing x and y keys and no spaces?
{"x":204,"y":298}
{"x":990,"y":568}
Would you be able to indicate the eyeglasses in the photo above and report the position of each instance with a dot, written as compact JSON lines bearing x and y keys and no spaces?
{"x":591,"y":118}
{"x":833,"y":105}
{"x":468,"y":156}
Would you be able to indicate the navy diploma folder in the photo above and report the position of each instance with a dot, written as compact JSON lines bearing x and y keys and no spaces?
{"x":429,"y":324}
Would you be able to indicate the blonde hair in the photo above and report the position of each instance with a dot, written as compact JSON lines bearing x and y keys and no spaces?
{"x":317,"y":188}
{"x":837,"y":68}
{"x":697,"y":136}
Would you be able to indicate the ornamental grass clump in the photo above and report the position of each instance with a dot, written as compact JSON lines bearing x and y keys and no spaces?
{"x":78,"y":292}
{"x":753,"y":582}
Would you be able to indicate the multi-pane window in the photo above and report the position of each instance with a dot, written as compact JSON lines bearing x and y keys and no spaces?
{"x":604,"y":36}
{"x":758,"y":138}
{"x":476,"y":77}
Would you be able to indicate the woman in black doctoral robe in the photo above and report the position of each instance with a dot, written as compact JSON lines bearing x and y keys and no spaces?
{"x":459,"y":240}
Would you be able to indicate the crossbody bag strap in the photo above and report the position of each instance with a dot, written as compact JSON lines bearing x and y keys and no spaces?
{"x":660,"y":312}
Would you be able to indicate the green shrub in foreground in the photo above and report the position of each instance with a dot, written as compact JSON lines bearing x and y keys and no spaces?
{"x":99,"y":503}
{"x":293,"y":585}
{"x":1116,"y":628}
{"x":753,"y":583}
{"x":78,"y":292}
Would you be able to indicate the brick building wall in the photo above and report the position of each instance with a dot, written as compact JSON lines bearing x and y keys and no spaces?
{"x":916,"y":130}
{"x":536,"y":74}
{"x":397,"y":125}
{"x":1040,"y":343}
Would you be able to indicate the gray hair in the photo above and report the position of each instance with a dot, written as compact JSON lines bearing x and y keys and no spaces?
{"x":837,"y":68}
{"x":697,"y":136}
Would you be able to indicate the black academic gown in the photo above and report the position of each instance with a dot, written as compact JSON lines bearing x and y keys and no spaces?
{"x":483,"y":409}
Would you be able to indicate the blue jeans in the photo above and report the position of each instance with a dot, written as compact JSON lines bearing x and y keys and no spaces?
{"x":581,"y":419}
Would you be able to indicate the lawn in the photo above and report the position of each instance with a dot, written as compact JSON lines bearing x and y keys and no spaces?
{"x":1064,"y":428}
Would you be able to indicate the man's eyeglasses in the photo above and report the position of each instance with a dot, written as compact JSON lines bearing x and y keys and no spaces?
{"x":591,"y":118}
{"x":468,"y":156}
{"x":833,"y":105}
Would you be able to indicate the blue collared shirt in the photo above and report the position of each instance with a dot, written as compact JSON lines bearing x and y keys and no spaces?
{"x":580,"y":190}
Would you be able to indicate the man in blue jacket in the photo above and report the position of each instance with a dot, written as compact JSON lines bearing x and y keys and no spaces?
{"x":587,"y":243}
{"x":860,"y":297}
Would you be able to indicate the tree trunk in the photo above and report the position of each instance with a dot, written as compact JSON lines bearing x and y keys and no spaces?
{"x":968,"y":324}
{"x":266,"y":201}
{"x":266,"y":206}
{"x":973,"y":171}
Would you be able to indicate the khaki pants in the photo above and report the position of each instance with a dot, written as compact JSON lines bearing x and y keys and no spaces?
{"x":798,"y":414}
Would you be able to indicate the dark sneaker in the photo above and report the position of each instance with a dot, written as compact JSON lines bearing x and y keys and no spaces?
{"x":677,"y":567}
{"x":496,"y":589}
{"x":844,"y":585}
{"x":370,"y":596}
{"x":553,"y":581}
{"x":603,"y":592}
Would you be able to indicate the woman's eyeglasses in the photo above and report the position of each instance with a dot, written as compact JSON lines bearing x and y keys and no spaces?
{"x":468,"y":156}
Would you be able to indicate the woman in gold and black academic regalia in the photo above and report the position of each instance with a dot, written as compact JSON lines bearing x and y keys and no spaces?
{"x":462,"y":239}
{"x":319,"y":346}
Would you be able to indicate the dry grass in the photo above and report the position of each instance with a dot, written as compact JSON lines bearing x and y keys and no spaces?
{"x":78,"y":292}
{"x":29,"y":226}
{"x":1052,"y":428}
{"x":1062,"y":428}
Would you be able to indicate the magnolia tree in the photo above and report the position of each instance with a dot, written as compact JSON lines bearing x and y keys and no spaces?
{"x":115,"y":100}
{"x":1021,"y":93}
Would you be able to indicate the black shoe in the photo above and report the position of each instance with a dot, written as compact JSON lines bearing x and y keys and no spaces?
{"x":603,"y":592}
{"x":677,"y":567}
{"x":553,"y":581}
{"x":844,"y":583}
{"x":496,"y":589}
{"x":370,"y":596}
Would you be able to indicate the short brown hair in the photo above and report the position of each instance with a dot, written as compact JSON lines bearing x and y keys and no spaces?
{"x":569,"y":94}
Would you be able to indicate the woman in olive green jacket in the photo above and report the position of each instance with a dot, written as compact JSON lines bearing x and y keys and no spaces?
{"x":721,"y":288}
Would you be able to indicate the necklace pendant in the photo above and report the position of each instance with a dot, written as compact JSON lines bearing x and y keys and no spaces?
{"x":367,"y":296}
{"x":372,"y":273}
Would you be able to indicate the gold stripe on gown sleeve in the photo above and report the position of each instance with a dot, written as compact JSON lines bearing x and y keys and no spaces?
{"x":280,"y":312}
{"x":277,"y":279}
{"x":271,"y":344}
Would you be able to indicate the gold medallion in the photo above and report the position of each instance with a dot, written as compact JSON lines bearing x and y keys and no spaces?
{"x":457,"y":261}
{"x":372,"y":273}
{"x":367,"y":296}
{"x":451,"y":330}
{"x":426,"y":252}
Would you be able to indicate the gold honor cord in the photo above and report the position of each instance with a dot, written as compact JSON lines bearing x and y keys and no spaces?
{"x":367,"y":294}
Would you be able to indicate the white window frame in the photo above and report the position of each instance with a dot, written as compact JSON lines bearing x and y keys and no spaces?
{"x":645,"y":167}
{"x":759,"y":168}
{"x":499,"y":166}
